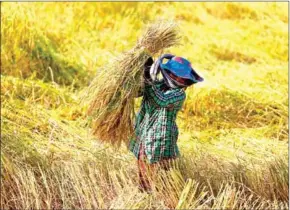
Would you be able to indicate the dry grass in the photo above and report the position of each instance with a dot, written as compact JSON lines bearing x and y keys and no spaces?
{"x":233,"y":133}
{"x":195,"y":183}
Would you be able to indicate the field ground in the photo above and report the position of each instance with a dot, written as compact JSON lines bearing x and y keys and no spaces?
{"x":233,"y":126}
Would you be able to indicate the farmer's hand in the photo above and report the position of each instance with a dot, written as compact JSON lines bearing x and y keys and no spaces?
{"x":147,"y":67}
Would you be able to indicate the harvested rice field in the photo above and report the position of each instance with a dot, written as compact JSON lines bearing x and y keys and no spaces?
{"x":233,"y":127}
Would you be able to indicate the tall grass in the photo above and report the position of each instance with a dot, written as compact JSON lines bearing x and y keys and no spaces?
{"x":233,"y":127}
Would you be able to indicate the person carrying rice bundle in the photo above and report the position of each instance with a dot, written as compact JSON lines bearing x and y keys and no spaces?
{"x":111,"y":104}
{"x":110,"y":110}
{"x":156,"y":132}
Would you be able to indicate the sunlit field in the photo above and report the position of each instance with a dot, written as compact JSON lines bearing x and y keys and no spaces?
{"x":233,"y":128}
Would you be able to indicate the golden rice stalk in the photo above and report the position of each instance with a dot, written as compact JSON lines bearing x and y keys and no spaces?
{"x":111,"y":94}
{"x":159,"y":36}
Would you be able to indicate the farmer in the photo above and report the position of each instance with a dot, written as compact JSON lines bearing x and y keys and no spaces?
{"x":156,"y":131}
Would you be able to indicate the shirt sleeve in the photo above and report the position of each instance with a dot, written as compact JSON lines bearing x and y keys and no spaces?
{"x":164,"y":99}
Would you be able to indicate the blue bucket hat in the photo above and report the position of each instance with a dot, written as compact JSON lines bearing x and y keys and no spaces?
{"x":177,"y":71}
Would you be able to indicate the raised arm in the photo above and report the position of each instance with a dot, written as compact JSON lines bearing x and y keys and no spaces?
{"x":164,"y":99}
{"x":147,"y":78}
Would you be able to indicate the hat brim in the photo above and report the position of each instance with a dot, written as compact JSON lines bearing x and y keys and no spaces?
{"x":197,"y":77}
{"x":184,"y":82}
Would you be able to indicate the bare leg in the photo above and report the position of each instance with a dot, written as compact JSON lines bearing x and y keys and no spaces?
{"x":145,"y":171}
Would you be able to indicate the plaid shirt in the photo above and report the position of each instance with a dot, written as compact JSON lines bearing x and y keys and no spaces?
{"x":155,"y":125}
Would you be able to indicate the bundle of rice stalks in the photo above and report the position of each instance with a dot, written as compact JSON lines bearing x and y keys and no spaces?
{"x":111,"y":94}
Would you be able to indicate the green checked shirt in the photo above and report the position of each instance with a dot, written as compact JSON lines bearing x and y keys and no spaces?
{"x":155,"y":125}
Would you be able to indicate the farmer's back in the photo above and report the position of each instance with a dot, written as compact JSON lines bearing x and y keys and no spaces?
{"x":155,"y":126}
